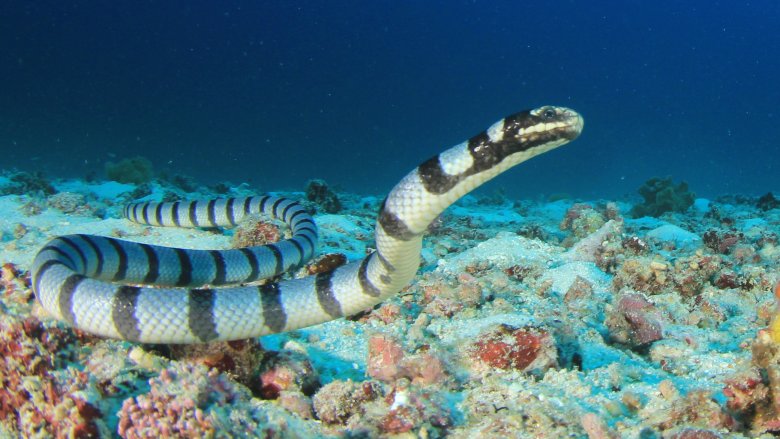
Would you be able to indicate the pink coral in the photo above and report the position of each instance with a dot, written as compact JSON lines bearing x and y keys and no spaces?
{"x":181,"y":402}
{"x":387,"y":361}
{"x":33,"y":399}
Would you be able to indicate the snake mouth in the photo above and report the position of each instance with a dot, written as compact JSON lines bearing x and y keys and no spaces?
{"x":556,"y":122}
{"x":539,"y":129}
{"x":574,"y":125}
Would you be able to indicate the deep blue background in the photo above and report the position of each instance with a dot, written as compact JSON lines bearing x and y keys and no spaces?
{"x":359,"y":92}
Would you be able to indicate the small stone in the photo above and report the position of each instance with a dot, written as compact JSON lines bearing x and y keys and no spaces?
{"x":297,"y":403}
{"x":658,"y":266}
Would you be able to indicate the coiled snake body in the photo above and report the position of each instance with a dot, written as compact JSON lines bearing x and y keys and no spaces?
{"x":91,"y":281}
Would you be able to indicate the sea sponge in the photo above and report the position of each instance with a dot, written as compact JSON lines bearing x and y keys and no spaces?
{"x":662,"y":195}
{"x":136,"y":170}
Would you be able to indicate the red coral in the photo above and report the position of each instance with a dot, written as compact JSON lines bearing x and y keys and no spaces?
{"x":516,"y":348}
{"x":163,"y":416}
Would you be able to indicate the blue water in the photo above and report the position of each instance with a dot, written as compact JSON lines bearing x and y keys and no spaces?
{"x":357,"y":93}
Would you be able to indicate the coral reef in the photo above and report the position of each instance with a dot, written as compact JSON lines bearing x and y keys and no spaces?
{"x":661,"y":195}
{"x":367,"y":410}
{"x":754,"y":392}
{"x":528,"y":319}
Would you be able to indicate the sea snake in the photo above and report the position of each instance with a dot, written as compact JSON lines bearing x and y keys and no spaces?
{"x":92,"y":282}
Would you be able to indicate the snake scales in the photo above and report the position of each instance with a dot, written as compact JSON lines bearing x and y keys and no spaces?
{"x":91,"y":281}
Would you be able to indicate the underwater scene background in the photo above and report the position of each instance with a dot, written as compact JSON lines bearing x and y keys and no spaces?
{"x":623,"y":286}
{"x":268,"y":92}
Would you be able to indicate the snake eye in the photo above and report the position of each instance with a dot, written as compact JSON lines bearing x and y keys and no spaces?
{"x":548,"y":113}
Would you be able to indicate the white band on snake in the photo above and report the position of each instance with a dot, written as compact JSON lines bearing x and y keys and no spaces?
{"x":91,"y":281}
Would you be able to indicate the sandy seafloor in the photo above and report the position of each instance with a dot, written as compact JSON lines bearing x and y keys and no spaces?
{"x":545,"y":319}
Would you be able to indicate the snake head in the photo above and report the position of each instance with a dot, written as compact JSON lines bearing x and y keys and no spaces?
{"x":563,"y":121}
{"x":529,"y":132}
{"x":542,"y":125}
